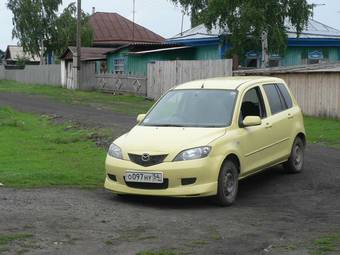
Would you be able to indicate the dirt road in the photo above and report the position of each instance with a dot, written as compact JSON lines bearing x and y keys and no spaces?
{"x":275,"y":213}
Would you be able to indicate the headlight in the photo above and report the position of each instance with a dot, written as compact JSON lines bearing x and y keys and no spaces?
{"x":115,"y":151}
{"x":194,"y":153}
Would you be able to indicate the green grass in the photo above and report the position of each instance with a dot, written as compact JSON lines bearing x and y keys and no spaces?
{"x":329,"y":244}
{"x":129,"y":104}
{"x":7,"y":239}
{"x":323,"y":131}
{"x":159,"y":252}
{"x":36,"y":153}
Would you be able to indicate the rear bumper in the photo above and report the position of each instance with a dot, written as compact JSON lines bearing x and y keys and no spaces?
{"x":204,"y":170}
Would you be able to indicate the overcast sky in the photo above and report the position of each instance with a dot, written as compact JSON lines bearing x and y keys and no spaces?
{"x":160,"y":16}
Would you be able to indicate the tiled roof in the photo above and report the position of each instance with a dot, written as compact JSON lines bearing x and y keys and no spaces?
{"x":112,"y":28}
{"x":87,"y":53}
{"x":314,"y":29}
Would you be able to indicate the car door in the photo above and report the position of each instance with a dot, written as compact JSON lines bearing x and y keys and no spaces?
{"x":280,"y":116}
{"x":255,"y":140}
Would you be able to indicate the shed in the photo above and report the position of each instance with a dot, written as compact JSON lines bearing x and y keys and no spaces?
{"x":14,"y":54}
{"x":89,"y":57}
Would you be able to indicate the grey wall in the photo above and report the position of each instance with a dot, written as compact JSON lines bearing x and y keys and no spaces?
{"x":46,"y":74}
{"x":2,"y":72}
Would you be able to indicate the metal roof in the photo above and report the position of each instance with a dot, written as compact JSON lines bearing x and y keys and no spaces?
{"x":316,"y":68}
{"x":112,"y":28}
{"x":14,"y":52}
{"x":314,"y":29}
{"x":87,"y":53}
{"x":158,"y":50}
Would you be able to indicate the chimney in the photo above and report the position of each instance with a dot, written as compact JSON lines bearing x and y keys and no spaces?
{"x":93,"y":10}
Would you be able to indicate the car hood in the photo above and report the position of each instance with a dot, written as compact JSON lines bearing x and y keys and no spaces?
{"x":166,"y":140}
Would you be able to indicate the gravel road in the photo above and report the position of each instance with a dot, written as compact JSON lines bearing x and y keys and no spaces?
{"x":275,"y":213}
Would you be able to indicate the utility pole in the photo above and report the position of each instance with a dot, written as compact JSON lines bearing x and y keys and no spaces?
{"x":78,"y":57}
{"x":265,"y":53}
{"x":133,"y":15}
{"x":183,"y":13}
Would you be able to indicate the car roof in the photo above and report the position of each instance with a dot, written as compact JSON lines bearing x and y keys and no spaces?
{"x":233,"y":82}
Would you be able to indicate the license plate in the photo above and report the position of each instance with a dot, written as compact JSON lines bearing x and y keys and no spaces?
{"x":132,"y":176}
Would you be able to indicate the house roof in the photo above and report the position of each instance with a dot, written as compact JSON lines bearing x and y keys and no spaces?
{"x":314,"y":29}
{"x":112,"y":28}
{"x":136,"y":47}
{"x":316,"y":68}
{"x":87,"y":53}
{"x":14,"y":52}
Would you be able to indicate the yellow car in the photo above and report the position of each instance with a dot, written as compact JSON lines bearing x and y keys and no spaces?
{"x":202,"y":137}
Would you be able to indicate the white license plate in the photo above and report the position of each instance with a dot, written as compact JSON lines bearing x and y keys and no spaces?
{"x":146,"y":177}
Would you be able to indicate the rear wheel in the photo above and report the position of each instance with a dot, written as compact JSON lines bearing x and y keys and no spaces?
{"x":227,"y":184}
{"x":296,"y":160}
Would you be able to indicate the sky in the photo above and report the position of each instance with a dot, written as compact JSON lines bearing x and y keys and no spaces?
{"x":160,"y":16}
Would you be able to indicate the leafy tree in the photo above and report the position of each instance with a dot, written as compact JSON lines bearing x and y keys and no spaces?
{"x":37,"y":20}
{"x":248,"y":19}
{"x":65,"y":34}
{"x":33,"y":22}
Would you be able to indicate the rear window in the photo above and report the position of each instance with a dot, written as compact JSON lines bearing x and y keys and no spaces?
{"x":285,"y":94}
{"x":274,"y":98}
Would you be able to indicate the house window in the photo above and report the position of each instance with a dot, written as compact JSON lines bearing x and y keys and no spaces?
{"x":119,"y":65}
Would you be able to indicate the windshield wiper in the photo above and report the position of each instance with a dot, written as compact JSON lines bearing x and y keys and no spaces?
{"x":164,"y":125}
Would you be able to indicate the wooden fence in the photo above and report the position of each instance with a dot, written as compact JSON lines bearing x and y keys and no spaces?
{"x":164,"y":75}
{"x":318,"y":94}
{"x":2,"y":72}
{"x":46,"y":74}
{"x":121,"y":83}
{"x":316,"y":91}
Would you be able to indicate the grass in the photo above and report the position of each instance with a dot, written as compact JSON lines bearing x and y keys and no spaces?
{"x":129,"y":104}
{"x":159,"y":252}
{"x":36,"y":153}
{"x":325,"y":131}
{"x":7,"y":239}
{"x":329,"y":244}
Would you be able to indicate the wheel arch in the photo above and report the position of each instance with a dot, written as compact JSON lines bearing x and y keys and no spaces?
{"x":235,"y":159}
{"x":302,"y":136}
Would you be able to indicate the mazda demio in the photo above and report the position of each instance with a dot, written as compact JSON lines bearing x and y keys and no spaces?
{"x":202,"y":137}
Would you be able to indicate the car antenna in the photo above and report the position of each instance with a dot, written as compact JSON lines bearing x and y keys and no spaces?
{"x":202,"y":87}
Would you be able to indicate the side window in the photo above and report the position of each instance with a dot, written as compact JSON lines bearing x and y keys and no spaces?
{"x":285,"y":94}
{"x":274,"y":98}
{"x":252,"y":104}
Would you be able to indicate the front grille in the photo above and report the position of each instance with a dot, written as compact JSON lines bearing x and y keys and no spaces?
{"x":152,"y":160}
{"x":144,"y":185}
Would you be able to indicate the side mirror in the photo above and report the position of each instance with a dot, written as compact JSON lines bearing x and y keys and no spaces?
{"x":140,"y":118}
{"x":250,"y":121}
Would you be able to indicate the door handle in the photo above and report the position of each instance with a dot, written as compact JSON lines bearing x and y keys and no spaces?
{"x":268,"y":125}
{"x":290,"y":116}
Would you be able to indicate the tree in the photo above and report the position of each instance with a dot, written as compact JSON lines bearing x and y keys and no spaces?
{"x":65,"y":34}
{"x":247,"y":20}
{"x":34,"y":23}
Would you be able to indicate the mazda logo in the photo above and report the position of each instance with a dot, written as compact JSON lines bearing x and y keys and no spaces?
{"x":145,"y":157}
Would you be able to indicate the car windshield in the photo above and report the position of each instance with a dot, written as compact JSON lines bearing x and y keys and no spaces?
{"x":193,"y":108}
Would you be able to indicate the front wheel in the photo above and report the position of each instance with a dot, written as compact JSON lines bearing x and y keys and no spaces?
{"x":296,"y":160}
{"x":227,"y":184}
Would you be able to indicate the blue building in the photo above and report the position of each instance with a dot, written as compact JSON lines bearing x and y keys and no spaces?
{"x":318,"y":43}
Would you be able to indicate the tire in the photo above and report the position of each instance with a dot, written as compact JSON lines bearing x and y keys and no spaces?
{"x":295,"y":162}
{"x":227,"y":184}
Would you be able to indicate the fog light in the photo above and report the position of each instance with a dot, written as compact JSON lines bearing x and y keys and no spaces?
{"x":188,"y":181}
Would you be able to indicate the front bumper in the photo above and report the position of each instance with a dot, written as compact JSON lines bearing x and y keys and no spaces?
{"x":204,"y":170}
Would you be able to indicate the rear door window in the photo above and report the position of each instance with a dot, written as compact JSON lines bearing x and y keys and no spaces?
{"x":274,"y":98}
{"x":285,"y":94}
